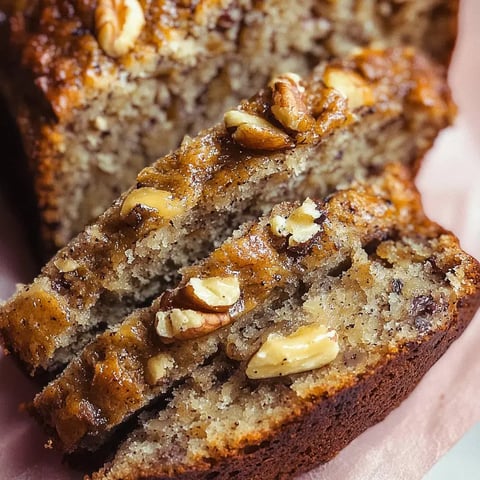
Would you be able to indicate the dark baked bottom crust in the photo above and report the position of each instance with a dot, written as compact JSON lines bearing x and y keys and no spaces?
{"x":330,"y":425}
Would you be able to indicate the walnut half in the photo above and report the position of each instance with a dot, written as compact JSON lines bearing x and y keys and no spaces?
{"x":118,"y":24}
{"x":256,"y":133}
{"x":288,"y":103}
{"x":308,"y":348}
{"x":186,"y":324}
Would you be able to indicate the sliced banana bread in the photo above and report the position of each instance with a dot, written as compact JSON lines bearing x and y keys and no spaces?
{"x":295,"y":138}
{"x":102,"y":88}
{"x":293,"y":337}
{"x":127,"y":367}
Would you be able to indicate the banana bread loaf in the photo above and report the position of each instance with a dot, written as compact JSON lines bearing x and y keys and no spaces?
{"x":294,"y":138}
{"x":102,"y":88}
{"x":295,"y":335}
{"x":129,"y":366}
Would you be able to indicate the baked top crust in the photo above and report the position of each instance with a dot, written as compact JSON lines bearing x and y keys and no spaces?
{"x":57,"y":41}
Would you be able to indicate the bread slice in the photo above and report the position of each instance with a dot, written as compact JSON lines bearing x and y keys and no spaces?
{"x":129,"y":366}
{"x":93,"y":111}
{"x":234,"y":431}
{"x":295,"y":138}
{"x":342,"y":305}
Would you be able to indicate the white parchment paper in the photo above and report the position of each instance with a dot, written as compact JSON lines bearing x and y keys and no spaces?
{"x":446,"y":402}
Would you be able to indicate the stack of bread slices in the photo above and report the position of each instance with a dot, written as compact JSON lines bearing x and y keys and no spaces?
{"x":270,"y":288}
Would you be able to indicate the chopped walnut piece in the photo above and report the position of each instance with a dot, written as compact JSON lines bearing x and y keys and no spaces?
{"x":351,"y":85}
{"x":66,"y":265}
{"x":288,"y":103}
{"x":216,"y":294}
{"x":186,"y":324}
{"x":118,"y":24}
{"x":256,"y":133}
{"x":300,"y":224}
{"x":308,"y":348}
{"x":160,"y":200}
{"x":157,"y":367}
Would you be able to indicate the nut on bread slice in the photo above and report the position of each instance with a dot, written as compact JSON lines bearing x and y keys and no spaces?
{"x":311,"y":294}
{"x":296,"y":138}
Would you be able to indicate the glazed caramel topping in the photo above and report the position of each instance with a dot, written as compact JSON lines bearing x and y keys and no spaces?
{"x":253,"y":259}
{"x":213,"y":162}
{"x":35,"y":321}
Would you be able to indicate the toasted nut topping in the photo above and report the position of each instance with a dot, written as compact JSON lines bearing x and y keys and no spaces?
{"x":66,"y":265}
{"x":308,"y":348}
{"x":350,"y":85}
{"x":215,"y":294}
{"x":277,"y":225}
{"x":157,"y":367}
{"x":288,"y":105}
{"x":187,"y":324}
{"x":118,"y":24}
{"x":300,"y":224}
{"x":159,"y":200}
{"x":255,"y":132}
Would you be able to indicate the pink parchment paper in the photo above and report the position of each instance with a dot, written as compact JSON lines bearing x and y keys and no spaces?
{"x":446,"y":402}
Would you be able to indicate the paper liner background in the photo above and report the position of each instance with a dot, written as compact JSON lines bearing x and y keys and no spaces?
{"x":430,"y":421}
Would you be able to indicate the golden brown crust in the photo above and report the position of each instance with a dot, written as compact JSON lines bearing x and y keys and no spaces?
{"x":326,"y":425}
{"x":59,"y":48}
